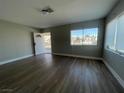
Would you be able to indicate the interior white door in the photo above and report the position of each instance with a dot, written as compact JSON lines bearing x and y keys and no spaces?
{"x":39,"y":43}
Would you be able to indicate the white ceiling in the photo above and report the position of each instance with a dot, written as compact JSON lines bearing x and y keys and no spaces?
{"x":66,"y":11}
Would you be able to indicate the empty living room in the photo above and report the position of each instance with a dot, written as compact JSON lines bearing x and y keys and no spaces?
{"x":61,"y":46}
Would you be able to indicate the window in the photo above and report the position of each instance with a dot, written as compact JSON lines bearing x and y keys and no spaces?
{"x":84,"y":36}
{"x":110,"y":34}
{"x":120,"y":34}
{"x":76,"y":37}
{"x":90,"y":36}
{"x":115,"y":35}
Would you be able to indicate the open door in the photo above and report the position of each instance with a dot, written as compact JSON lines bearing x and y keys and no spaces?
{"x":42,"y":43}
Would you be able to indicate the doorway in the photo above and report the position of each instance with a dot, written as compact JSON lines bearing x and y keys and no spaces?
{"x":42,"y":43}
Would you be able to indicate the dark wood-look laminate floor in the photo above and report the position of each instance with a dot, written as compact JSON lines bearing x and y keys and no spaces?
{"x":57,"y":74}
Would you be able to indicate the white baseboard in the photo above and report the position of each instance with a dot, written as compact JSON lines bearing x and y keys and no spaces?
{"x":119,"y":79}
{"x":71,"y":55}
{"x":12,"y":60}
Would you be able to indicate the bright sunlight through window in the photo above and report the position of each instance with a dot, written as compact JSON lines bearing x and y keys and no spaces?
{"x":84,"y":36}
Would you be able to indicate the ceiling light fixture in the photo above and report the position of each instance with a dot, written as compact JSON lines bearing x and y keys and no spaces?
{"x":47,"y":10}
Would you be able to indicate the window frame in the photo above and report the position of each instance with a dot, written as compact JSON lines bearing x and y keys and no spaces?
{"x":83,"y":31}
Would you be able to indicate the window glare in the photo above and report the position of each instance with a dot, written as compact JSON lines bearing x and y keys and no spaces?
{"x":115,"y":35}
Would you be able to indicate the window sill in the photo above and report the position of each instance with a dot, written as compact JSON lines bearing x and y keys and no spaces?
{"x":116,"y":52}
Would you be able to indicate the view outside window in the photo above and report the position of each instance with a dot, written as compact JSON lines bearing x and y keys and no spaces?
{"x":84,"y":37}
{"x":76,"y":37}
{"x":47,"y":40}
{"x":90,"y":36}
{"x":115,"y":35}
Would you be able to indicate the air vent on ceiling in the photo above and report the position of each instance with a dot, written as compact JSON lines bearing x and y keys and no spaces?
{"x":47,"y":10}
